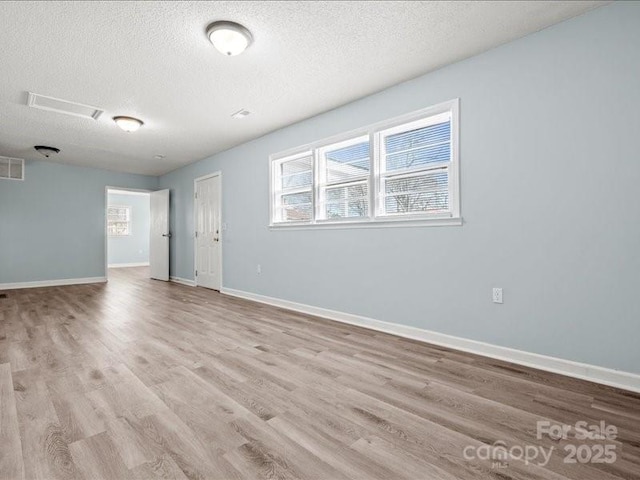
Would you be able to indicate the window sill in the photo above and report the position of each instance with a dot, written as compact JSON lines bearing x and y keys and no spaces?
{"x":385,"y":223}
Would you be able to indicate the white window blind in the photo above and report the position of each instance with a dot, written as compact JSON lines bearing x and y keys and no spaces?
{"x":11,"y":168}
{"x":118,"y":220}
{"x":415,"y":163}
{"x":401,"y":170}
{"x":294,"y":189}
{"x":344,"y":173}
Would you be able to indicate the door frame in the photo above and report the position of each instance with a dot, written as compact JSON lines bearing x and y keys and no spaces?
{"x":217,"y":173}
{"x":106,"y":232}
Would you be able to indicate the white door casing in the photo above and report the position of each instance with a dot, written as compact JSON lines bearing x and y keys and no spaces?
{"x":208,"y":240}
{"x":159,"y":240}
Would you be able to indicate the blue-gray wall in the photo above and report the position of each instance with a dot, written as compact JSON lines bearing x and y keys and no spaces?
{"x":550,"y":168}
{"x":52,"y":225}
{"x":132,"y":248}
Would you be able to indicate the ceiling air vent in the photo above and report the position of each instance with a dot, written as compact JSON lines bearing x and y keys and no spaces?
{"x":11,"y":168}
{"x":63,"y":106}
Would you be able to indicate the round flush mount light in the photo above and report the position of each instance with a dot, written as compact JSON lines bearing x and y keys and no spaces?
{"x":128,"y":124}
{"x":46,"y":151}
{"x":229,"y":38}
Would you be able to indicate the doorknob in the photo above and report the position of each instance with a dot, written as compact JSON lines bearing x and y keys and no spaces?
{"x":167,"y":235}
{"x":216,"y":239}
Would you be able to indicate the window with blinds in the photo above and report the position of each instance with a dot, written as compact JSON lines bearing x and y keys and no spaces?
{"x":118,"y":221}
{"x":404,"y":169}
{"x":344,"y":175}
{"x":294,"y":189}
{"x":415,"y":163}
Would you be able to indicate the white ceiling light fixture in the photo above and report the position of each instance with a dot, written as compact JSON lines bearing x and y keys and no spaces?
{"x":46,"y":151}
{"x":229,"y":38}
{"x":128,"y":124}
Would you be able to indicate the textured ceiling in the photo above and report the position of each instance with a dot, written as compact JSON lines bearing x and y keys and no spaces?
{"x":152,"y":60}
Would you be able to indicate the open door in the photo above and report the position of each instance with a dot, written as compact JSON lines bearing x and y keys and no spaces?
{"x":159,"y":241}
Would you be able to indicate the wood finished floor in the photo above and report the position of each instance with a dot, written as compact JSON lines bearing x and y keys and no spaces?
{"x":144,"y":379}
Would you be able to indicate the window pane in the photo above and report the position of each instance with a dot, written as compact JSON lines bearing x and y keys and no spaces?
{"x":347,"y":162}
{"x":4,"y":168}
{"x":418,"y":193}
{"x":419,"y":157}
{"x":438,"y":133}
{"x":118,"y":214}
{"x":296,"y":207}
{"x":349,"y":201}
{"x":118,"y":228}
{"x":296,"y":173}
{"x":16,"y":169}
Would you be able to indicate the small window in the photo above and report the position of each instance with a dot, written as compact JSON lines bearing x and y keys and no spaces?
{"x":118,"y":221}
{"x":11,"y":168}
{"x":401,"y":170}
{"x":345,"y":169}
{"x":415,"y":164}
{"x":294,"y":189}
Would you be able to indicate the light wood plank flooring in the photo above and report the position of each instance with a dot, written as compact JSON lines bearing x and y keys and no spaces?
{"x":143,"y":379}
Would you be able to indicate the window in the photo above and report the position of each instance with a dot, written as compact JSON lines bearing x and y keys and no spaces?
{"x":11,"y":168}
{"x":294,"y":189}
{"x":344,"y":179}
{"x":414,"y":172}
{"x":118,"y":221}
{"x":401,"y":170}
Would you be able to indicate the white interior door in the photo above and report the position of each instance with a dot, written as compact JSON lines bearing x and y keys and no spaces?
{"x":208,"y":233}
{"x":159,"y":241}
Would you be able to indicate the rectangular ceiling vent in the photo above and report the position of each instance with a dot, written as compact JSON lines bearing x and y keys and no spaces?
{"x":63,"y":106}
{"x":11,"y":168}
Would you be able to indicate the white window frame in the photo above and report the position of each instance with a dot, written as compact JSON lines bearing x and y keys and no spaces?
{"x":377,"y":218}
{"x":129,"y":221}
{"x":321,"y":184}
{"x":415,"y":171}
{"x":10,"y":161}
{"x":276,"y":193}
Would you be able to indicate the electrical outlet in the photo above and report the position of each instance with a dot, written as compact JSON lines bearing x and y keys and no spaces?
{"x":497,"y":295}
{"x":259,"y":269}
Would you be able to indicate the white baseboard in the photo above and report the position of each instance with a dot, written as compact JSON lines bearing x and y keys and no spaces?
{"x":592,"y":373}
{"x":127,"y":265}
{"x":52,"y":283}
{"x":183,"y":281}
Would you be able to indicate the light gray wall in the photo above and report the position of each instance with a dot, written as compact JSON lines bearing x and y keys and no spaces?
{"x":52,"y":225}
{"x":550,"y":143}
{"x":132,"y":248}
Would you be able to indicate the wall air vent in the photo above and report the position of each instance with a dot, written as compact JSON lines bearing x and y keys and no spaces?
{"x":11,"y":168}
{"x":63,"y":106}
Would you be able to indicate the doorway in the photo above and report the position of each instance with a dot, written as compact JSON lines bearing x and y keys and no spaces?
{"x":128,"y":225}
{"x":137,"y":232}
{"x":208,"y":231}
